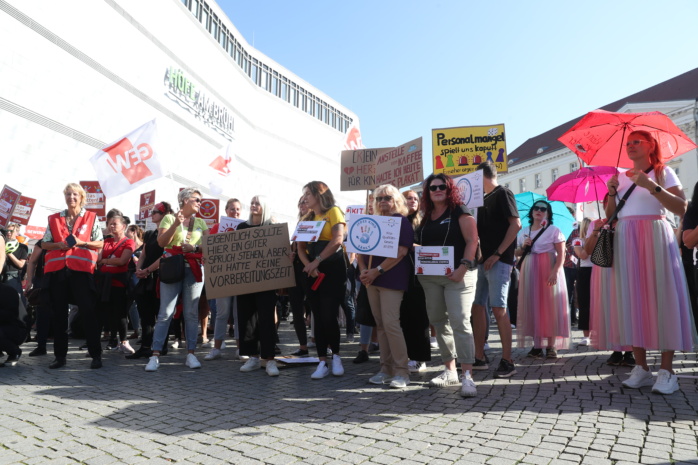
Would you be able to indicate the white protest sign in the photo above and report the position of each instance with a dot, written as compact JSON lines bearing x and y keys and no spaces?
{"x":229,"y":224}
{"x":308,"y":231}
{"x":471,"y":189}
{"x":374,"y":235}
{"x":433,"y":260}
{"x":353,"y":210}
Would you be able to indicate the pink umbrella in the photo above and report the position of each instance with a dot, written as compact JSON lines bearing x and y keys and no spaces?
{"x":584,"y":185}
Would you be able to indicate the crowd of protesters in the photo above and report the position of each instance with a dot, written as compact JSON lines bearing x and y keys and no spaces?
{"x":522,"y":270}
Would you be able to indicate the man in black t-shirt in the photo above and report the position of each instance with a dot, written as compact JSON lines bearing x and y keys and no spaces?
{"x":497,"y":225}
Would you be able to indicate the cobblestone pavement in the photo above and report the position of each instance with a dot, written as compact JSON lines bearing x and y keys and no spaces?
{"x":571,"y":410}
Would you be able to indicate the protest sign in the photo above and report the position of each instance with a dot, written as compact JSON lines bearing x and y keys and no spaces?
{"x":248,"y":260}
{"x":147,"y":204}
{"x":23,"y":210}
{"x":358,"y":169}
{"x":471,"y":189}
{"x":400,"y":166}
{"x":374,"y":235}
{"x":8,"y":199}
{"x":308,"y":231}
{"x":229,"y":224}
{"x":433,"y":260}
{"x":208,"y":211}
{"x":459,"y":150}
{"x":35,"y":232}
{"x":96,"y":199}
{"x":353,"y":210}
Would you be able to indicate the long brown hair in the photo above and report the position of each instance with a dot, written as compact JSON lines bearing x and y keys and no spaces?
{"x":655,"y":155}
{"x":323,"y":193}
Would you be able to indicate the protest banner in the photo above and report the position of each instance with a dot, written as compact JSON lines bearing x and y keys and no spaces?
{"x":433,"y":260}
{"x":96,"y":199}
{"x":35,"y":232}
{"x":358,"y":169}
{"x":248,"y":260}
{"x":229,"y":224}
{"x":147,"y":204}
{"x":208,"y":211}
{"x":374,"y":235}
{"x":308,"y":231}
{"x":353,"y":210}
{"x":23,"y":210}
{"x":472,"y":192}
{"x":459,"y":150}
{"x":400,"y":166}
{"x":8,"y":199}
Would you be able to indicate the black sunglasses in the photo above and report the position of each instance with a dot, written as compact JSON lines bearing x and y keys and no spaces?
{"x":536,"y":208}
{"x":387,"y":198}
{"x":440,"y":187}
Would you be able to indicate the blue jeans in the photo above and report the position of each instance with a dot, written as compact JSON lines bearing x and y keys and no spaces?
{"x":191,"y":291}
{"x":493,"y":285}
{"x":223,"y":305}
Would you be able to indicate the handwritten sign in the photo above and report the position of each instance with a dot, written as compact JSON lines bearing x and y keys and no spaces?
{"x":23,"y":210}
{"x":358,"y":169}
{"x":8,"y":199}
{"x":374,"y":235}
{"x":459,"y":150}
{"x":433,"y":260}
{"x":308,"y":231}
{"x":400,"y":166}
{"x":353,"y":210}
{"x":229,"y":224}
{"x":96,"y":199}
{"x":146,"y":204}
{"x":248,"y":260}
{"x":471,"y":189}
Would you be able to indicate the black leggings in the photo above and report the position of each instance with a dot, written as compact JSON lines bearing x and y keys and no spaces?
{"x":148,"y":308}
{"x":297,"y":301}
{"x":115,"y":312}
{"x":325,"y":303}
{"x":256,"y":319}
{"x":584,"y":296}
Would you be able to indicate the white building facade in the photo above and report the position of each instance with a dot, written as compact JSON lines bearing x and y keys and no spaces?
{"x":76,"y":76}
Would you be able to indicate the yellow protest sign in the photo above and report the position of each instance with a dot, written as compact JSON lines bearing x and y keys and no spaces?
{"x":458,"y":151}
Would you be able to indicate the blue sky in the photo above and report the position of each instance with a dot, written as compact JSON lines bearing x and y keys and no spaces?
{"x":406,"y":67}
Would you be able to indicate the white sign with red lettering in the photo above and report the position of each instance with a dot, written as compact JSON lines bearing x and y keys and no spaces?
{"x":433,"y":260}
{"x":353,"y":210}
{"x":129,"y":162}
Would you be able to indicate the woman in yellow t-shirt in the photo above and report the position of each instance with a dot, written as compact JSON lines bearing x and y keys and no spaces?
{"x":325,"y":256}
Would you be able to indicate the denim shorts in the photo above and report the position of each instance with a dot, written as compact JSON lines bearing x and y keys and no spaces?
{"x":493,"y":285}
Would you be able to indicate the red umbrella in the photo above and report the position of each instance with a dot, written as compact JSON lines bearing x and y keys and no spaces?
{"x":583,"y":185}
{"x":599,"y":137}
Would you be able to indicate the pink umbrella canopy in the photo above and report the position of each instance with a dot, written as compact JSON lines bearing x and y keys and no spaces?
{"x":583,"y":185}
{"x":599,"y":137}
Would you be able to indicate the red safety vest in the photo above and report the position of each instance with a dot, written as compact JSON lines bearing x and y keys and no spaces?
{"x":76,"y":258}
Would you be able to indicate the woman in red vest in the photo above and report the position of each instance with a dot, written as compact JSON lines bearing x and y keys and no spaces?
{"x":72,"y":241}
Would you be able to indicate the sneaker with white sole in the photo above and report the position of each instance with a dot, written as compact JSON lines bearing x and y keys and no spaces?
{"x":213,"y":355}
{"x":337,"y":367}
{"x":177,"y":344}
{"x":127,"y":349}
{"x":432,"y":343}
{"x":399,"y":382}
{"x":416,"y":367}
{"x":446,"y":378}
{"x":251,"y":364}
{"x":311,"y":345}
{"x":321,"y":371}
{"x":153,"y":363}
{"x":468,"y":388}
{"x":208,"y":344}
{"x":667,"y":382}
{"x":380,"y":378}
{"x":639,"y":378}
{"x":192,"y":362}
{"x":585,"y":341}
{"x":272,"y":368}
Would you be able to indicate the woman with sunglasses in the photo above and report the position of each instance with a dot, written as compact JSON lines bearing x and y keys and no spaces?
{"x":181,"y":233}
{"x":448,"y":223}
{"x":543,"y":314}
{"x":147,"y":272}
{"x":651,"y":308}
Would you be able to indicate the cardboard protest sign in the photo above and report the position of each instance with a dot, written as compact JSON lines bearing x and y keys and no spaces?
{"x":209,"y":210}
{"x":374,"y":235}
{"x":96,"y":199}
{"x":401,"y":166}
{"x":459,"y":150}
{"x":472,"y":192}
{"x":433,"y":260}
{"x":146,"y":204}
{"x":248,"y":260}
{"x":229,"y":224}
{"x":358,"y":169}
{"x":23,"y":210}
{"x":353,"y":210}
{"x":308,"y":231}
{"x":8,"y":199}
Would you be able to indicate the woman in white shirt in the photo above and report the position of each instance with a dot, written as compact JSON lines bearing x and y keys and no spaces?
{"x":543,"y":314}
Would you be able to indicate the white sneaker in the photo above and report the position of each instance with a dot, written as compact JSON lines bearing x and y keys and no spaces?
{"x":446,"y":378}
{"x":416,"y":367}
{"x":337,"y":368}
{"x":487,"y":346}
{"x":639,"y":378}
{"x":176,"y":344}
{"x":667,"y":382}
{"x":213,"y":355}
{"x":127,"y":349}
{"x":192,"y":362}
{"x":251,"y":364}
{"x":272,"y":369}
{"x":321,"y":371}
{"x":153,"y":364}
{"x":208,"y":344}
{"x":222,"y":345}
{"x":380,"y":378}
{"x":468,"y":388}
{"x":433,"y":343}
{"x":585,"y":341}
{"x":311,"y":345}
{"x":399,"y":382}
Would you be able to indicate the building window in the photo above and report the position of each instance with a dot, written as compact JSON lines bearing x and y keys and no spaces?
{"x":573,"y":166}
{"x":554,"y":173}
{"x":539,"y":181}
{"x":522,"y":185}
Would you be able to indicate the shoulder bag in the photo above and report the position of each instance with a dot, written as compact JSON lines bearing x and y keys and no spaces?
{"x":172,"y":267}
{"x":528,"y":249}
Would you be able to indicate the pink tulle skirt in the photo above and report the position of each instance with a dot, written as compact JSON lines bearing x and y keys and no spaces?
{"x":601,"y":282}
{"x":543,"y":318}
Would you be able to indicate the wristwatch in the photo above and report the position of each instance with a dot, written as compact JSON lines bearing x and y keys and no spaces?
{"x":380,"y":269}
{"x":469,"y":264}
{"x":657,"y":190}
{"x":496,"y":253}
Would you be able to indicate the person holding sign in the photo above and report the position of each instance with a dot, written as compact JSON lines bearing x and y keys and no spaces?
{"x":326,"y":273}
{"x":543,"y":314}
{"x":256,"y":310}
{"x":180,"y":234}
{"x":386,"y":280}
{"x":448,"y":224}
